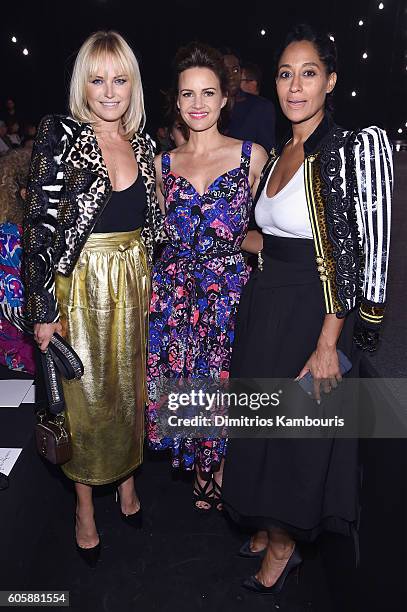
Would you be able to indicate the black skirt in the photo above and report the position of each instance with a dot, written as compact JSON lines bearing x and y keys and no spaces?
{"x":302,"y":485}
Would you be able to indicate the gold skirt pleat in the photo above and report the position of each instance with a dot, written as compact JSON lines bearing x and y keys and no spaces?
{"x":104,"y":315}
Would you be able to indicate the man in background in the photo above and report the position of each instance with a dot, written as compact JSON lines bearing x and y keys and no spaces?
{"x":251,"y":117}
{"x":250,"y":81}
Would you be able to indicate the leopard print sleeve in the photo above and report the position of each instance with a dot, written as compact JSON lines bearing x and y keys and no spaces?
{"x":152,"y":232}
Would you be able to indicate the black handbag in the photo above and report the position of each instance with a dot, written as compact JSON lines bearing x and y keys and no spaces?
{"x":59,"y":360}
{"x":52,"y":438}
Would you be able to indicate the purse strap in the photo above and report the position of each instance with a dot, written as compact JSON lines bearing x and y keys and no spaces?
{"x":52,"y":383}
{"x":66,"y":359}
{"x":58,"y":420}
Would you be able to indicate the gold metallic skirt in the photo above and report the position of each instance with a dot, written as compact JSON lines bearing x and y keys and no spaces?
{"x":104,"y":315}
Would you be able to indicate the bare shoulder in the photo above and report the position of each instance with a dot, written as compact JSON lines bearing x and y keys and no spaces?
{"x":231,"y":143}
{"x":259,"y":155}
{"x":259,"y":152}
{"x":178,"y":153}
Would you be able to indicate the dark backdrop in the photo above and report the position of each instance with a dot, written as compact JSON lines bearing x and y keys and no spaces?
{"x":54,"y":30}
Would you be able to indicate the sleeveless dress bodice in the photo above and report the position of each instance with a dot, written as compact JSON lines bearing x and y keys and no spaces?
{"x":212,"y":224}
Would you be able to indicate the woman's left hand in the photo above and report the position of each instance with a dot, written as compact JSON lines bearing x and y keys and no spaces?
{"x":324,"y":367}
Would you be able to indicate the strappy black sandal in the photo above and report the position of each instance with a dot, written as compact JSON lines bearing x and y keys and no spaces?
{"x":203,"y":494}
{"x":217,"y":496}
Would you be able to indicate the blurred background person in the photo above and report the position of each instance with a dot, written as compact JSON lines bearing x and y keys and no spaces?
{"x":250,"y":117}
{"x":163,"y":138}
{"x":13,"y":134}
{"x":9,"y":113}
{"x":29,"y":131}
{"x":250,"y":80}
{"x":5,"y":142}
{"x":16,"y":347}
{"x":173,"y":132}
{"x":27,"y":143}
{"x":178,"y":131}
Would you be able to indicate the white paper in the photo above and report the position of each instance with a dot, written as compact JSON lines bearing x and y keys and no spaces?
{"x":29,"y":398}
{"x":12,"y":392}
{"x":8,"y":457}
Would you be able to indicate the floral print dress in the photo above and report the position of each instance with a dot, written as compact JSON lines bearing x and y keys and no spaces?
{"x":16,"y":347}
{"x":196,"y":288}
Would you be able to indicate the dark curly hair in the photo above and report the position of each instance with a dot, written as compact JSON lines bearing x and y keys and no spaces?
{"x":200,"y":55}
{"x":323,"y":44}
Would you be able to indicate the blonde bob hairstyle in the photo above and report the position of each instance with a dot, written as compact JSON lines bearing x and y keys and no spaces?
{"x":89,"y":62}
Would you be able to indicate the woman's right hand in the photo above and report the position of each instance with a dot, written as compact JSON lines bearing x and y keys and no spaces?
{"x":43,"y":333}
{"x":253,"y":242}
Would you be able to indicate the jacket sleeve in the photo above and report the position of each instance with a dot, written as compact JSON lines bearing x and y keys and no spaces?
{"x":151,"y":145}
{"x":153,"y":231}
{"x":374,"y":180}
{"x":39,"y":227}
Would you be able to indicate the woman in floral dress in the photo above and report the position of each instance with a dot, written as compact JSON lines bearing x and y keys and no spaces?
{"x":198,"y":280}
{"x":16,"y":346}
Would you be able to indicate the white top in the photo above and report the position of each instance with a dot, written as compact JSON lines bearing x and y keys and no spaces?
{"x":286,"y":213}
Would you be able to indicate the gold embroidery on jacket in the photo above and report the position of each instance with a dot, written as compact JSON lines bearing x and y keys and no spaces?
{"x":371,"y":314}
{"x":323,"y":249}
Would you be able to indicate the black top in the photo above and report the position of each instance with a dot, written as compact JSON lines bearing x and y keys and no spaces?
{"x":125,"y":210}
{"x":252,"y":118}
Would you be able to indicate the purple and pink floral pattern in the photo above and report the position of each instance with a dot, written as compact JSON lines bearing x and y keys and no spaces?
{"x":16,"y":348}
{"x":196,"y":288}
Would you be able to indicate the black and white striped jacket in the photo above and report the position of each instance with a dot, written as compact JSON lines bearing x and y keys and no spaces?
{"x":348,"y":185}
{"x":68,"y":189}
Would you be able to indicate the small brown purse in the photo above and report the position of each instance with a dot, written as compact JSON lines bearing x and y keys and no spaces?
{"x":52,"y":438}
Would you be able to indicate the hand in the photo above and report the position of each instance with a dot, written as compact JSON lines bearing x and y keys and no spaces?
{"x":324,"y":367}
{"x":43,"y":333}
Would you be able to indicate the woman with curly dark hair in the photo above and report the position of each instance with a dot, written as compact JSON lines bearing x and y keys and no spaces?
{"x":205,"y":188}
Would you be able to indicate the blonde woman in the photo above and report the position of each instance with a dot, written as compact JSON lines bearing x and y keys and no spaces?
{"x":90,"y":226}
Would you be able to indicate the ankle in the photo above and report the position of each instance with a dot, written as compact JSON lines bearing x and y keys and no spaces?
{"x":281,"y":552}
{"x":128,"y":496}
{"x":127,"y":490}
{"x":84,"y":511}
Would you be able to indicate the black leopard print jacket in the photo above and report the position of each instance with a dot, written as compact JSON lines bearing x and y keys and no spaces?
{"x":67,"y":190}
